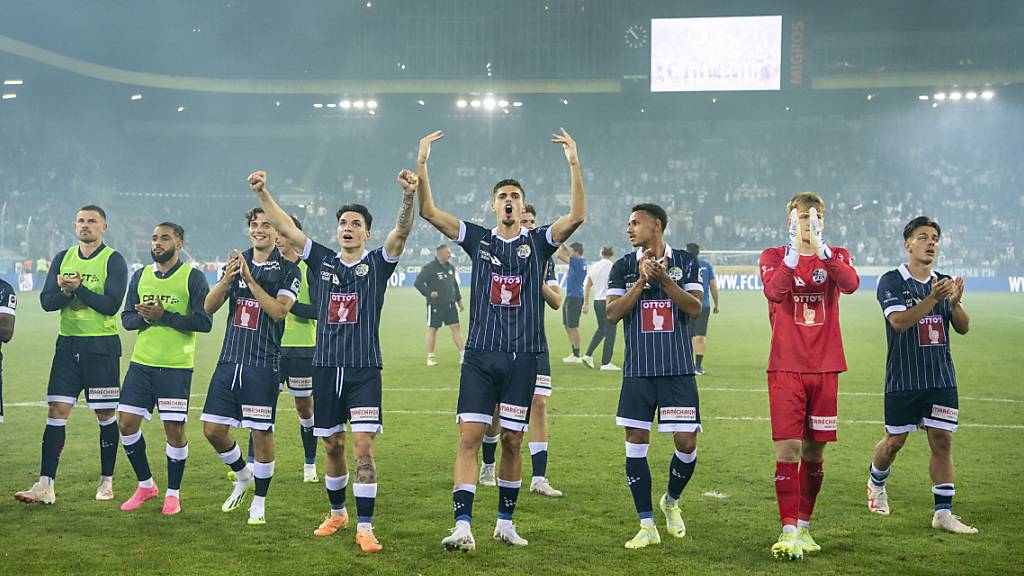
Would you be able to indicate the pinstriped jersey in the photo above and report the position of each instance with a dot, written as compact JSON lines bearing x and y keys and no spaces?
{"x":8,"y":303}
{"x":657,"y":333}
{"x":919,"y":357}
{"x":349,"y":298}
{"x":253,"y":338}
{"x":506,"y":307}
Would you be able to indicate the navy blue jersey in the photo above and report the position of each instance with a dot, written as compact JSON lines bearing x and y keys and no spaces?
{"x":918,"y":358}
{"x":253,"y":338}
{"x":8,"y":303}
{"x":505,"y":303}
{"x":550,"y":278}
{"x":349,"y":298}
{"x":657,"y":333}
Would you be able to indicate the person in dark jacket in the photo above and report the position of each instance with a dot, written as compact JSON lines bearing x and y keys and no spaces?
{"x":437,"y":281}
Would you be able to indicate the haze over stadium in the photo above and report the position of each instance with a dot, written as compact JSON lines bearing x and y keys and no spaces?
{"x":717,"y":113}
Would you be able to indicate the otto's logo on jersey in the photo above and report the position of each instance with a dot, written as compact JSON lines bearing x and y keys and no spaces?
{"x":809,"y":309}
{"x":163,"y":298}
{"x":931,"y":331}
{"x":512,"y":411}
{"x":506,"y":290}
{"x":819,"y":276}
{"x":675,"y":273}
{"x":677,"y":414}
{"x":524,"y":251}
{"x":366,"y":414}
{"x":247,"y":313}
{"x":343,"y":308}
{"x":362,"y":269}
{"x":657,"y":316}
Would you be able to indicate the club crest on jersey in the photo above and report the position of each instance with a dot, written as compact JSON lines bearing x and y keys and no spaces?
{"x":819,"y":276}
{"x":362,"y":269}
{"x":524,"y":251}
{"x":675,"y":273}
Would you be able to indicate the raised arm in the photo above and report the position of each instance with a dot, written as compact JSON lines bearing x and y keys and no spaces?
{"x":563,"y":228}
{"x":444,"y":222}
{"x":279,"y":219}
{"x":394,"y":244}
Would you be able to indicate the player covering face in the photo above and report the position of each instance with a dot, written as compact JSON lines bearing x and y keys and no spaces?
{"x":802,"y":282}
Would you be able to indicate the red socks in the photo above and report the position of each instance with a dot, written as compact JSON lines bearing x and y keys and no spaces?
{"x":787,"y":491}
{"x":811,"y":475}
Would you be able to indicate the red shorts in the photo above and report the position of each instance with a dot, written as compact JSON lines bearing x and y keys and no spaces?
{"x":803,"y":406}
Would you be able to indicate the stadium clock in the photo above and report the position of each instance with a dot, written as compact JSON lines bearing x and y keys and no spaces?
{"x":635,"y":36}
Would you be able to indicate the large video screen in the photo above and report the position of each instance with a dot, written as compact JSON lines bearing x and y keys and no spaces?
{"x":716,"y":54}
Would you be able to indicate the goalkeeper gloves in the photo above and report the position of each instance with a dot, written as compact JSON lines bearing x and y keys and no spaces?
{"x":792,"y":257}
{"x":819,"y":246}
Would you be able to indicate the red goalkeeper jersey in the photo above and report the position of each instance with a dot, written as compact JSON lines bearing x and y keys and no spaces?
{"x":803,"y":309}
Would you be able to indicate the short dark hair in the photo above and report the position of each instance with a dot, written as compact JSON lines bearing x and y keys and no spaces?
{"x":577,"y":247}
{"x":509,"y":182}
{"x":918,"y":222}
{"x":655,"y":211}
{"x":295,"y":220}
{"x":179,"y":232}
{"x":251,"y":214}
{"x":441,"y":247}
{"x":529,"y":209}
{"x":692,"y":248}
{"x":607,"y":251}
{"x":362,"y":210}
{"x":93,"y":208}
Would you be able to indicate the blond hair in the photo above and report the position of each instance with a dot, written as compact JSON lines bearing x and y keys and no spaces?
{"x":806,"y":200}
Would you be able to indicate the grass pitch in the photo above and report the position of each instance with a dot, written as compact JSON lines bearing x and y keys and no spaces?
{"x":729,"y":506}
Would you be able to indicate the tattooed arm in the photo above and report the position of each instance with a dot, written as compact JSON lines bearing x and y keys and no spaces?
{"x":394,"y":244}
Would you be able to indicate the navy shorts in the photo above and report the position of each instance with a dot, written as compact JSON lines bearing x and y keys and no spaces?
{"x":504,"y":380}
{"x":72,"y":372}
{"x":442,"y":314}
{"x":571,"y":309}
{"x":700,"y":325}
{"x":241,"y":395}
{"x":166,"y":389}
{"x":674,"y":398}
{"x":297,"y":371}
{"x":908,"y":411}
{"x":543,"y":375}
{"x":346,"y":395}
